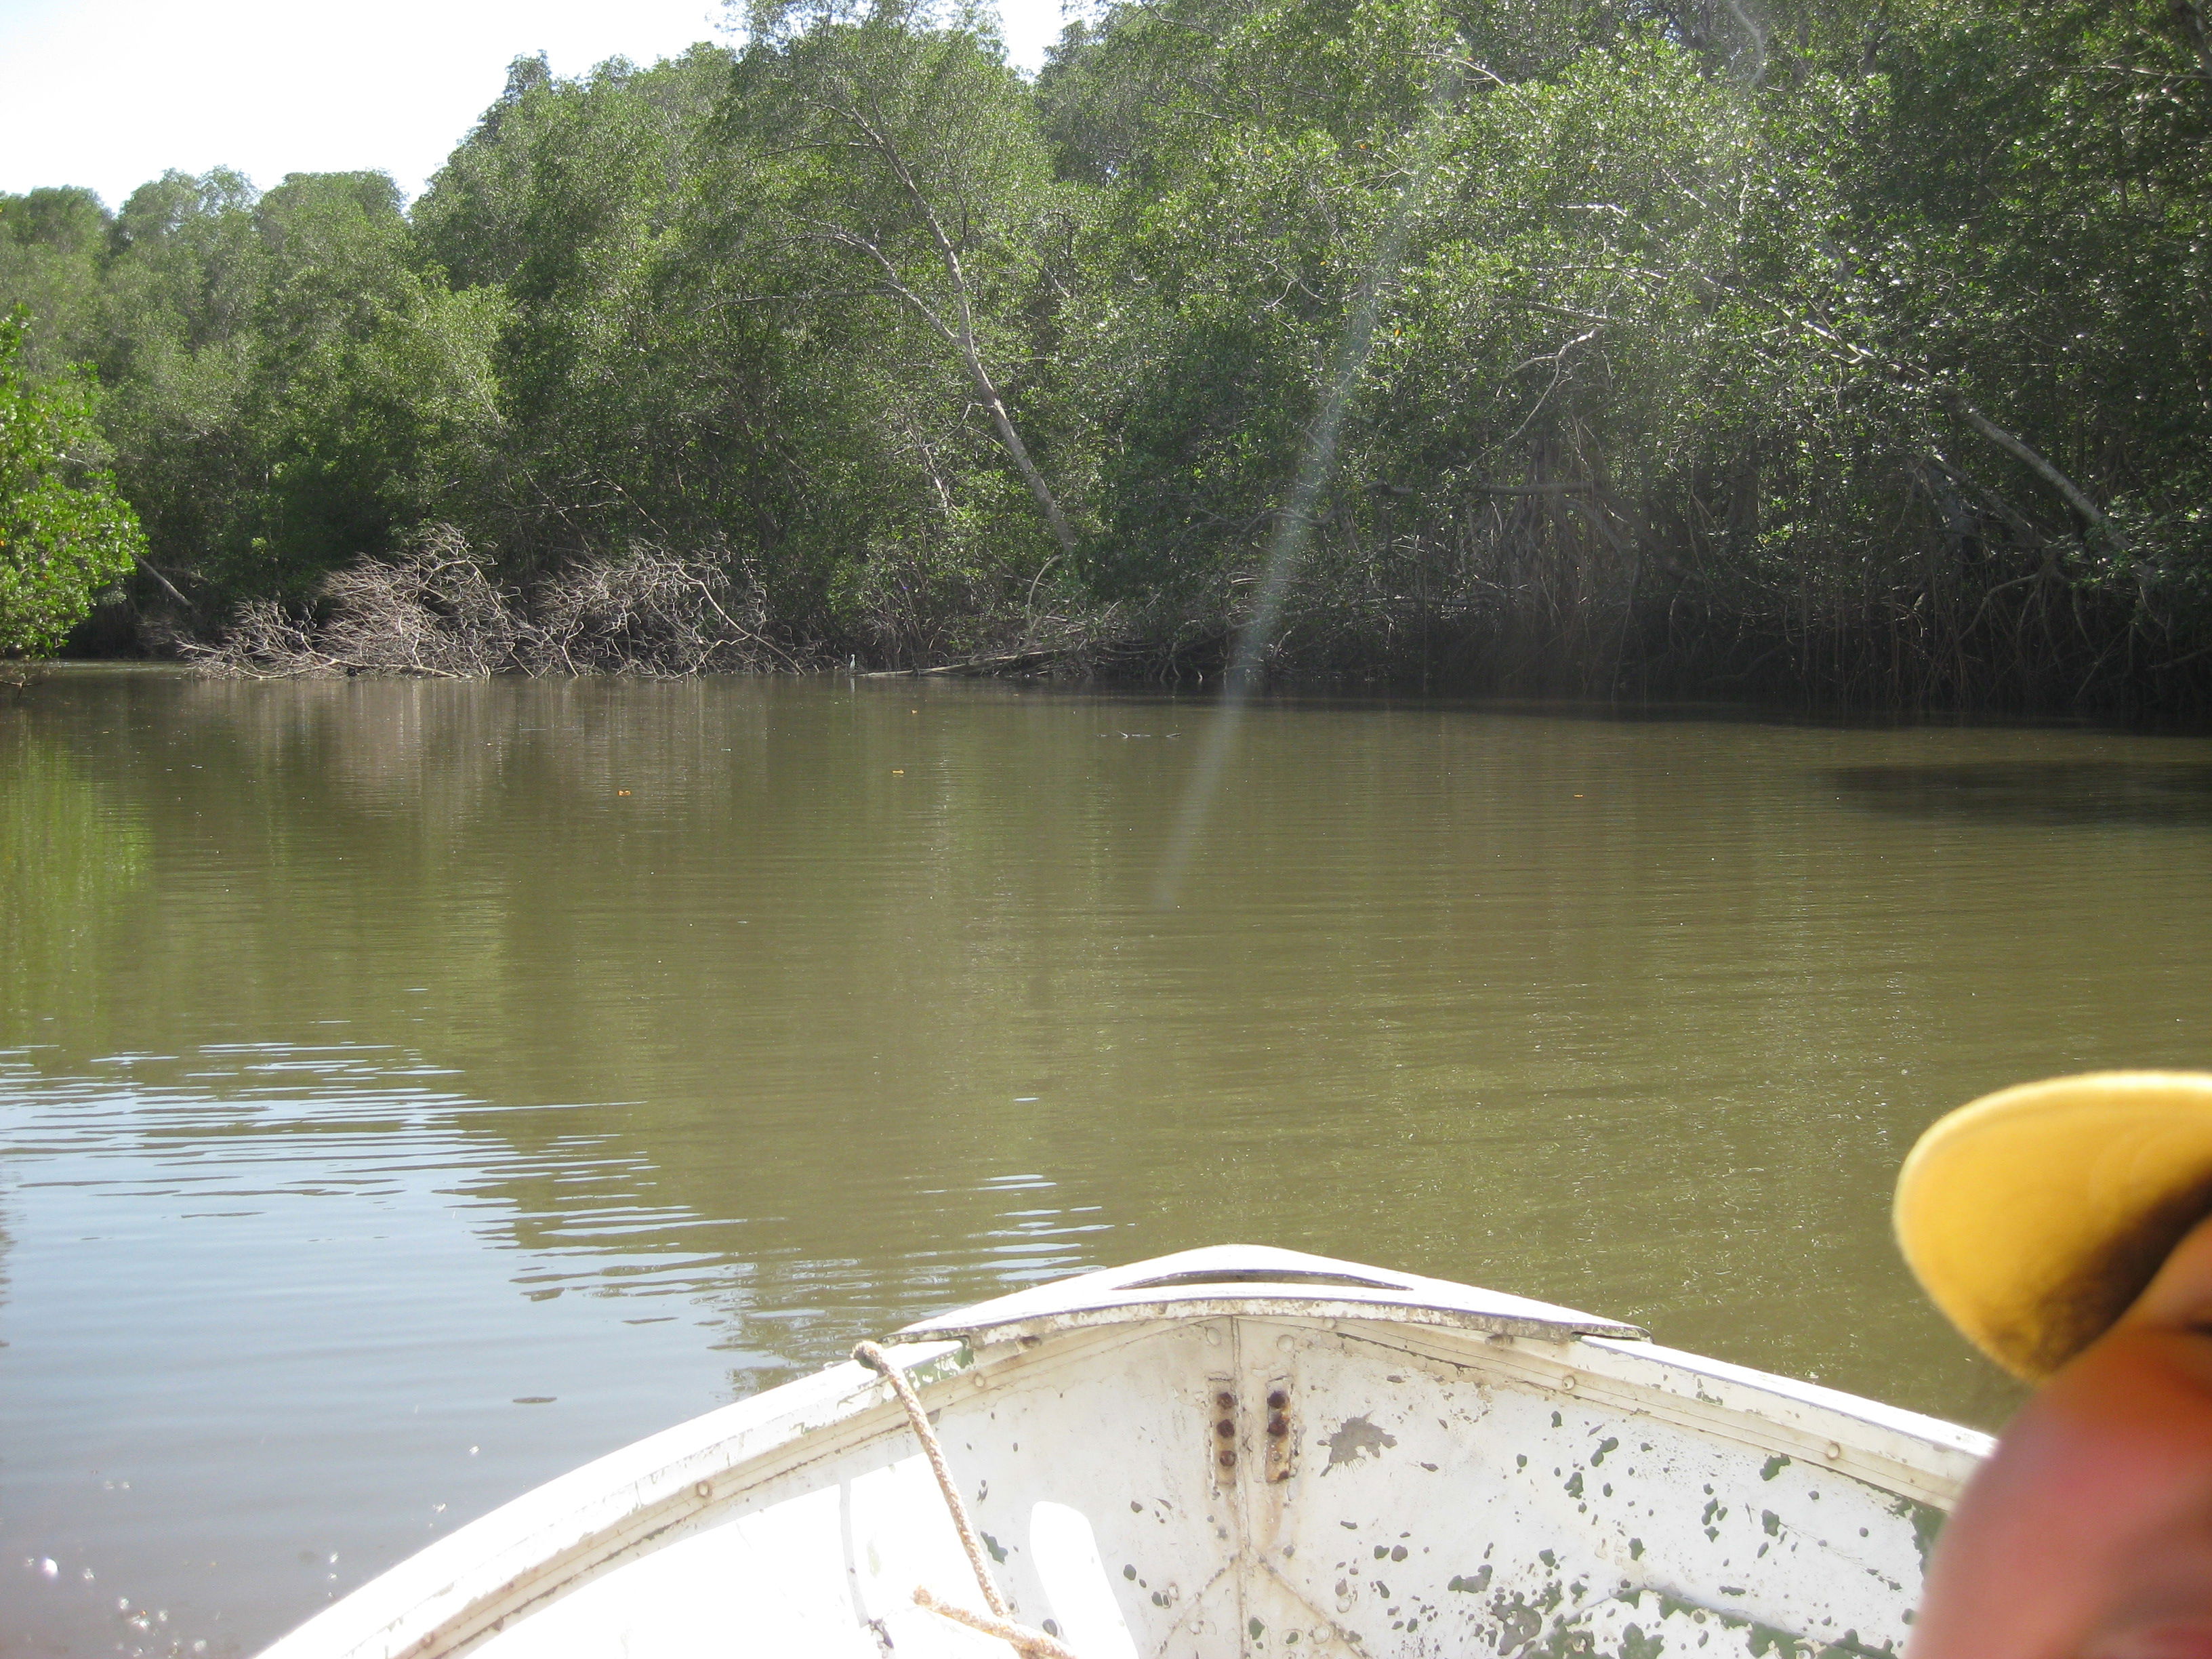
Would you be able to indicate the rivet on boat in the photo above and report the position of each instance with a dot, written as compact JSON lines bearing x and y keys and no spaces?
{"x":1226,"y":1458}
{"x":1832,"y":1451}
{"x":1224,"y":1400}
{"x":1225,"y":1428}
{"x":1277,"y":1400}
{"x":704,"y":1489}
{"x":1567,"y":1383}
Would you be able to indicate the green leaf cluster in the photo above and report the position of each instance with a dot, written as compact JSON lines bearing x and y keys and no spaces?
{"x":65,"y":534}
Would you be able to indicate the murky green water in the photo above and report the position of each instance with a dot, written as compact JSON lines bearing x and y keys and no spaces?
{"x":409,"y":1090}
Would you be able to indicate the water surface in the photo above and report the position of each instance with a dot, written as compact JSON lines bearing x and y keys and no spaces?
{"x":409,"y":1090}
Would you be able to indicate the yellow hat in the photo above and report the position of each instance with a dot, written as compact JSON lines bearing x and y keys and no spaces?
{"x":2033,"y":1216}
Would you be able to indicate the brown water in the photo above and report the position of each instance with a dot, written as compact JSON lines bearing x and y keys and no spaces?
{"x":408,"y":1091}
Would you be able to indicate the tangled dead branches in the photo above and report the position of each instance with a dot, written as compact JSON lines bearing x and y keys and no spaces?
{"x":436,"y":610}
{"x":650,"y":612}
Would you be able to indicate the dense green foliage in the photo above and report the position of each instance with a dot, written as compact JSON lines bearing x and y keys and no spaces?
{"x":1851,"y":351}
{"x":64,"y":533}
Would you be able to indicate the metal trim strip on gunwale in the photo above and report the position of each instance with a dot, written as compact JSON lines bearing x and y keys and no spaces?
{"x":1231,"y":1280}
{"x":1278,"y":1302}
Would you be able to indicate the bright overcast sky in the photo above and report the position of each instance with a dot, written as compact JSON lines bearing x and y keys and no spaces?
{"x":108,"y":93}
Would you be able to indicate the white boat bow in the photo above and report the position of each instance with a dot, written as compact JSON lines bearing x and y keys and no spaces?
{"x":1230,"y":1451}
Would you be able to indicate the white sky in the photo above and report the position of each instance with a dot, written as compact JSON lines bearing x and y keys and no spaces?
{"x":108,"y":93}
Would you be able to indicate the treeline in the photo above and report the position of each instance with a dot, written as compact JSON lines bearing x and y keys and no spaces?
{"x":1852,"y":352}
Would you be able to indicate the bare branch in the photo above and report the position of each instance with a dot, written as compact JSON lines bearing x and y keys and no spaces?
{"x":2190,"y":14}
{"x":962,"y":338}
{"x":1926,"y":384}
{"x":168,"y":585}
{"x":2038,"y":463}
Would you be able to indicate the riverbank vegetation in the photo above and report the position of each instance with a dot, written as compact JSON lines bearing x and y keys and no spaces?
{"x":1854,"y":353}
{"x":65,"y":532}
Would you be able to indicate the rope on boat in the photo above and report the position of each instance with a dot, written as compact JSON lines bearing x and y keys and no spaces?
{"x":998,"y":1622}
{"x":1022,"y":1638}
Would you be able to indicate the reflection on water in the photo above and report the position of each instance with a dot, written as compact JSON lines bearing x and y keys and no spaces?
{"x":411,"y":1089}
{"x":69,"y":858}
{"x":2031,"y":792}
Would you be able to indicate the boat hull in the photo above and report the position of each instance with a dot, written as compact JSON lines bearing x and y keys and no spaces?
{"x":1222,"y":1454}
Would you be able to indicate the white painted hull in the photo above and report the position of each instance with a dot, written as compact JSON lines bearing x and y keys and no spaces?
{"x":1456,"y":1472}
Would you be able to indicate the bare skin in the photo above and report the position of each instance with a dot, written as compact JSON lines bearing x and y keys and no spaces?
{"x":2088,"y":1535}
